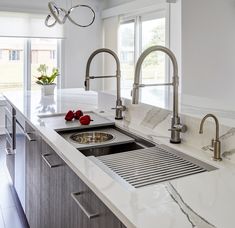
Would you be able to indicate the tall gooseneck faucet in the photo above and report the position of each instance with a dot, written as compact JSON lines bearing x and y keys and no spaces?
{"x":119,"y":107}
{"x":176,"y":126}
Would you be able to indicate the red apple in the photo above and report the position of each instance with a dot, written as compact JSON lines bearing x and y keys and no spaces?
{"x":85,"y":120}
{"x":78,"y":114}
{"x":69,"y":116}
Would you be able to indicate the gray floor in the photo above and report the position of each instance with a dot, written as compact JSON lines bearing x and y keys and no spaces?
{"x":9,"y":217}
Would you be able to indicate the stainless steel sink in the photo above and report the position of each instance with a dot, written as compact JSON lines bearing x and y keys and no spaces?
{"x":103,"y":141}
{"x":132,"y":159}
{"x":112,"y":149}
{"x":91,"y":137}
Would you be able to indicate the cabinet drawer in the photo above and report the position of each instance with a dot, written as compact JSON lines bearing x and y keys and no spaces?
{"x":33,"y":161}
{"x":84,"y":204}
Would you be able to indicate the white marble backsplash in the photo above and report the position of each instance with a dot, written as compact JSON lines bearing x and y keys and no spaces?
{"x":156,"y":122}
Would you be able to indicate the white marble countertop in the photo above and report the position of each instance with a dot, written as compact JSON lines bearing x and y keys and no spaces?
{"x":202,"y":200}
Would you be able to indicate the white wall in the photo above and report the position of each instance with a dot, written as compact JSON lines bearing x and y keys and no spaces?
{"x":110,"y":39}
{"x":24,"y":5}
{"x":112,"y":3}
{"x":78,"y":45}
{"x":175,"y":34}
{"x":208,"y":49}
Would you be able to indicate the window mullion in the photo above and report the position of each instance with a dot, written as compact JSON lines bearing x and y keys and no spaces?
{"x":139,"y":45}
{"x":27,"y":65}
{"x":59,"y":64}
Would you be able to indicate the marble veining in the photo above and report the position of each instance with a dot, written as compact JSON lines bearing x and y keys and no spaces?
{"x":195,"y":219}
{"x":154,"y":117}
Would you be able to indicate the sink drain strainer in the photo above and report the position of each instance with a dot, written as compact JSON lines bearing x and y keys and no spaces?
{"x":91,"y":137}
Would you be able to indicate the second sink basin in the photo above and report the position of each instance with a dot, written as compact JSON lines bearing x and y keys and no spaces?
{"x":112,"y":149}
{"x":104,"y":141}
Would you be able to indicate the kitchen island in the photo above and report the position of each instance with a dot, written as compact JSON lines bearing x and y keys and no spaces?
{"x":201,"y":200}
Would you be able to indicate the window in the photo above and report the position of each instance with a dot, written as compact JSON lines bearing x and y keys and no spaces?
{"x":12,"y":72}
{"x":127,"y":52}
{"x":136,"y":34}
{"x":45,"y":51}
{"x":153,"y":33}
{"x":14,"y":55}
{"x":20,"y":58}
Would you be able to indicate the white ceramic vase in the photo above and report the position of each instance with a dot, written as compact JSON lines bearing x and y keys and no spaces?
{"x":48,"y":90}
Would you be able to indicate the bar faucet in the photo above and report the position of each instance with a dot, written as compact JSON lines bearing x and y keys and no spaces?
{"x":176,"y":126}
{"x":119,"y":107}
{"x":215,"y":143}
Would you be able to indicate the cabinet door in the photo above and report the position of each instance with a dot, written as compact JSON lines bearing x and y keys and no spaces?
{"x":32,"y":180}
{"x":20,"y":164}
{"x":84,"y":208}
{"x":106,"y":218}
{"x":52,"y":189}
{"x":75,"y":216}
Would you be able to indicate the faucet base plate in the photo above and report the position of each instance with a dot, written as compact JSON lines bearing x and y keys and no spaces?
{"x":216,"y":159}
{"x":118,"y":118}
{"x":173,"y":142}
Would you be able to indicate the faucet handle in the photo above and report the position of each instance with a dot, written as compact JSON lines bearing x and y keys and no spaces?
{"x":179,"y":127}
{"x":120,"y":107}
{"x":212,"y":142}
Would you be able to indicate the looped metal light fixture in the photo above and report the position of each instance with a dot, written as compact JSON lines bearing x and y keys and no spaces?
{"x":60,"y":15}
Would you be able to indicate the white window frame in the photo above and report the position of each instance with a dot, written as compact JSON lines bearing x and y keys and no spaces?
{"x":138,"y":19}
{"x":27,"y":64}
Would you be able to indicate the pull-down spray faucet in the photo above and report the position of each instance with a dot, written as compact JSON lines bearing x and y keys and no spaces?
{"x":176,"y":126}
{"x":119,"y":107}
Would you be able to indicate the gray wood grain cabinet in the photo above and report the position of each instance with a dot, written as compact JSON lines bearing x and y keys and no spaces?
{"x":55,"y":196}
{"x":66,"y":201}
{"x":85,"y":209}
{"x":52,"y":189}
{"x":32,"y":179}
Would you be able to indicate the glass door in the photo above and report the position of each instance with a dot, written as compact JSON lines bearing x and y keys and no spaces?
{"x":11,"y":64}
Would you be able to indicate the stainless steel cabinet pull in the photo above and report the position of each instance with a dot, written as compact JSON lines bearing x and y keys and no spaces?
{"x":44,"y":156}
{"x":9,"y":151}
{"x":75,"y":197}
{"x":28,"y":136}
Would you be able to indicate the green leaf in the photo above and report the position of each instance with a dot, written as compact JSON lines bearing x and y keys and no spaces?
{"x":44,"y":79}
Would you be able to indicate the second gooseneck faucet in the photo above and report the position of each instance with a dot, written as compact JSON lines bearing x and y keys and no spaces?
{"x":176,"y":126}
{"x":119,"y":107}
